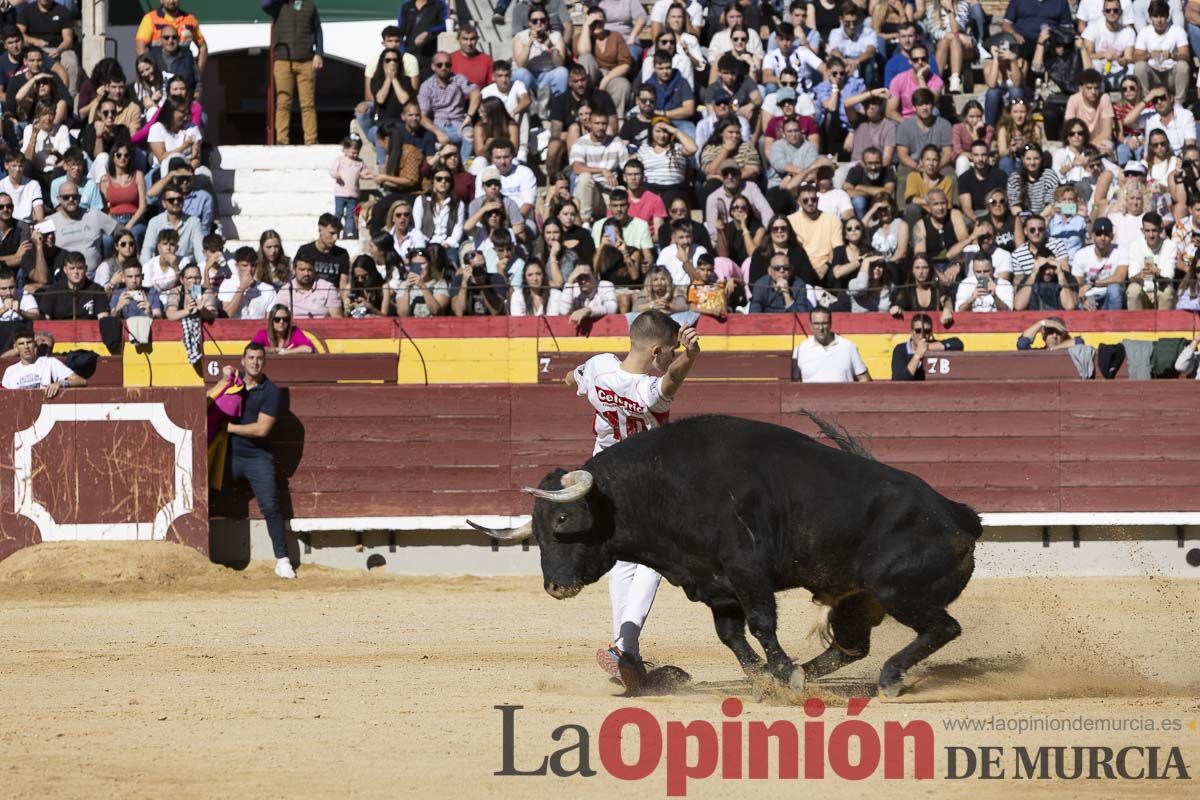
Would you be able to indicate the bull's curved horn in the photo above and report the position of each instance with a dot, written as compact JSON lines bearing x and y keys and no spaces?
{"x":575,"y":485}
{"x":506,"y":534}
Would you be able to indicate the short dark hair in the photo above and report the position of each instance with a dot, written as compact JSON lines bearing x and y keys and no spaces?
{"x":213,"y":243}
{"x":255,"y":346}
{"x":11,"y":32}
{"x":392,"y":32}
{"x":24,"y":332}
{"x":681,"y":225}
{"x":785,"y":29}
{"x":635,"y":164}
{"x":923,"y":97}
{"x":653,"y":327}
{"x":1090,"y":77}
{"x":1158,"y":8}
{"x":820,"y":310}
{"x":619,"y":194}
{"x":502,"y":66}
{"x":1153,"y":217}
{"x":245,"y":253}
{"x":503,"y":144}
{"x":7,"y":274}
{"x":728,"y":63}
{"x":663,"y":56}
{"x":328,"y":220}
{"x":74,"y":258}
{"x":167,"y":235}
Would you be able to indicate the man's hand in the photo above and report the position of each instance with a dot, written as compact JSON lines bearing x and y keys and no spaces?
{"x":920,"y":348}
{"x":579,"y":315}
{"x":53,"y":390}
{"x":690,"y":339}
{"x":317,"y":63}
{"x":421,"y":39}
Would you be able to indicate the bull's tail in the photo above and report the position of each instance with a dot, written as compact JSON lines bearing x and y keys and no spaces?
{"x":840,"y":436}
{"x":822,"y":628}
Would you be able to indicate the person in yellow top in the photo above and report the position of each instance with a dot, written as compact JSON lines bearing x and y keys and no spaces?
{"x":170,"y":14}
{"x":919,"y":184}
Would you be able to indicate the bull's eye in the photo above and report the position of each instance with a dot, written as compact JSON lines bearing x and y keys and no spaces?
{"x":562,"y":518}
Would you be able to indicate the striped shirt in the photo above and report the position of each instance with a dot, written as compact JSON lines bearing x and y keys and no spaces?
{"x":1032,"y":197}
{"x":1022,"y":257}
{"x":663,"y":169}
{"x":600,"y":155}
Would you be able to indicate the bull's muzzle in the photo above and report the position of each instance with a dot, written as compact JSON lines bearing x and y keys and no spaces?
{"x":563,"y":592}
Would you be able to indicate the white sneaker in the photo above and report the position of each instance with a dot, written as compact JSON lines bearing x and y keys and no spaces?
{"x":955,"y":84}
{"x":283,"y":568}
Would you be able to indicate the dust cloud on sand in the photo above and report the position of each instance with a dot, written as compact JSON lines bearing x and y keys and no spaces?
{"x":142,"y":670}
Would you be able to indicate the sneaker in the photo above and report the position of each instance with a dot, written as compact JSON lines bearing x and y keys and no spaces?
{"x":628,"y":670}
{"x":955,"y":84}
{"x":283,"y":568}
{"x":497,"y":19}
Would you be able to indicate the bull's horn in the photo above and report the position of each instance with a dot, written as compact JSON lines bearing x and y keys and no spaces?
{"x":506,"y":534}
{"x":575,"y":485}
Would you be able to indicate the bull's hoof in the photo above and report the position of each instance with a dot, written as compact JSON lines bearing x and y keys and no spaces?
{"x":797,"y":680}
{"x":894,"y":689}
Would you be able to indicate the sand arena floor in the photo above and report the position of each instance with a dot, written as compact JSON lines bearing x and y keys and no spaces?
{"x":144,"y":671}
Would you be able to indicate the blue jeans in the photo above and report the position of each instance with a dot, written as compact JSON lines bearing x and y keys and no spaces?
{"x":995,"y":99}
{"x":978,"y":22}
{"x":1193,"y":33}
{"x":343,"y":209}
{"x":555,"y":78}
{"x":366,"y":121}
{"x":138,"y":231}
{"x":861,"y":203}
{"x":1113,"y":299}
{"x":1125,"y":155}
{"x":502,"y":6}
{"x":685,"y":126}
{"x":258,"y":468}
{"x":466,"y":144}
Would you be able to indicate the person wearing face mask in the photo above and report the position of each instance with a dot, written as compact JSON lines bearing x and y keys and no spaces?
{"x":1067,"y":225}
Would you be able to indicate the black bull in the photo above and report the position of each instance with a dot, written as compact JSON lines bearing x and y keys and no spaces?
{"x":733,"y":511}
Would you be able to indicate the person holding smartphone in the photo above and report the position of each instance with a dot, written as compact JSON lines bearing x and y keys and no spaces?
{"x":133,"y":300}
{"x":190,"y":298}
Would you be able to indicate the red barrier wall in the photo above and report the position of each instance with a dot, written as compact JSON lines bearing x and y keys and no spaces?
{"x":1016,"y":446}
{"x":103,"y":464}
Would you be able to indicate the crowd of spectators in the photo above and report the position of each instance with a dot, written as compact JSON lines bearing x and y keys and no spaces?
{"x":775,"y":157}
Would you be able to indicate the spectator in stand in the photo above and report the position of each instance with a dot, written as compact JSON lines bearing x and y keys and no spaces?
{"x":1066,"y":224}
{"x":166,"y":17}
{"x":817,"y":232}
{"x":1054,"y":335}
{"x":718,"y":109}
{"x":643,"y":203}
{"x":422,"y":288}
{"x":908,"y":35}
{"x":389,"y":95}
{"x":73,"y":295}
{"x":14,"y":235}
{"x":946,"y":22}
{"x":636,"y":128}
{"x":920,"y":131}
{"x":248,"y":294}
{"x":1160,"y":53}
{"x":584,"y":298}
{"x":836,"y":98}
{"x":1186,"y":234}
{"x":346,"y":171}
{"x":1102,"y":268}
{"x":14,"y":308}
{"x":190,"y":298}
{"x":739,"y":86}
{"x":871,"y":289}
{"x":908,"y":357}
{"x":539,"y":59}
{"x":307,"y":295}
{"x":739,"y":236}
{"x":174,"y":135}
{"x":734,"y":17}
{"x":161,"y":273}
{"x":779,"y":291}
{"x":174,"y":59}
{"x":1048,"y":285}
{"x":1162,"y":112}
{"x":679,"y":209}
{"x":923,"y":292}
{"x":977,"y":183}
{"x":494,"y":124}
{"x":660,"y":292}
{"x":124,"y":191}
{"x":26,"y":194}
{"x":449,"y":103}
{"x":1189,"y":288}
{"x":536,"y":294}
{"x":1127,"y":111}
{"x":1091,"y":106}
{"x":941,"y":235}
{"x":1130,"y":204}
{"x":869,"y":181}
{"x":725,"y":146}
{"x":887,"y":231}
{"x":621,"y":229}
{"x":111,"y":92}
{"x":874,"y":130}
{"x":32,"y":82}
{"x":1108,"y":45}
{"x":79,"y":230}
{"x":1005,"y":75}
{"x":37,"y":372}
{"x":271,"y":261}
{"x":826,"y":357}
{"x":217,"y":264}
{"x":780,"y":240}
{"x":792,"y":161}
{"x":329,"y":261}
{"x":11,"y":61}
{"x":855,"y":45}
{"x":1152,"y":263}
{"x":687,"y":55}
{"x":1024,"y":20}
{"x":982,"y":291}
{"x":517,"y":181}
{"x":560,"y":15}
{"x":903,"y":89}
{"x":299,"y":54}
{"x":133,"y":300}
{"x":1016,"y":129}
{"x":595,"y":159}
{"x":468,"y":60}
{"x":49,"y":26}
{"x":680,"y":258}
{"x":1031,"y":188}
{"x":44,"y":263}
{"x":733,"y":185}
{"x":564,"y":108}
{"x":673,"y":94}
{"x":149,"y":89}
{"x":477,"y":290}
{"x":420,"y":22}
{"x":439,"y":216}
{"x":191,"y":238}
{"x":924,"y":181}
{"x":197,"y":202}
{"x":783,"y":104}
{"x":607,"y":58}
{"x":1036,"y":245}
{"x":966,"y":132}
{"x":281,"y":337}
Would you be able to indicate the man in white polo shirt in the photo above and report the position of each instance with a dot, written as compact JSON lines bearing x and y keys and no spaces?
{"x":826,"y":357}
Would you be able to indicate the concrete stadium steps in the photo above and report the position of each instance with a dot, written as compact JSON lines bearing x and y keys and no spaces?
{"x":284,"y":188}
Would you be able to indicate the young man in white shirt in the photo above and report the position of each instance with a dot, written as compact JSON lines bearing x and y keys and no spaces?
{"x":826,"y":357}
{"x":1108,"y":45}
{"x":680,"y":258}
{"x":32,"y":372}
{"x":1160,"y":52}
{"x":982,"y":291}
{"x":627,"y":400}
{"x":1151,"y":268}
{"x":1102,"y":269}
{"x":12,"y":309}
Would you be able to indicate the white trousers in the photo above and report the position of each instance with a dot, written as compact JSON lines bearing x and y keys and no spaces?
{"x":631,"y":587}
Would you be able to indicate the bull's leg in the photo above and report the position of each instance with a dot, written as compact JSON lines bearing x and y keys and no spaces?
{"x":759,"y":608}
{"x":935,"y":628}
{"x":731,"y":630}
{"x":850,"y":623}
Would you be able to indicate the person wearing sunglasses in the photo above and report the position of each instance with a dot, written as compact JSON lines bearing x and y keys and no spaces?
{"x":83,"y":231}
{"x":1091,"y":107}
{"x":438,"y":215}
{"x":449,"y":103}
{"x":191,"y":238}
{"x":280,"y":336}
{"x":608,"y":58}
{"x":1108,"y":43}
{"x":1163,"y":113}
{"x":74,"y":166}
{"x":908,"y":357}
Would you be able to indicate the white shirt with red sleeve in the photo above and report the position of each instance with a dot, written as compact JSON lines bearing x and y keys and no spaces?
{"x":625,"y":402}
